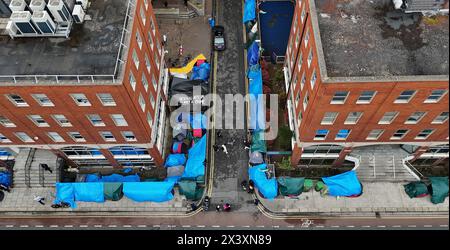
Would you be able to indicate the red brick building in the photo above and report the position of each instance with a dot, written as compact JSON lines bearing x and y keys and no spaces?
{"x":358,"y":73}
{"x":97,"y":98}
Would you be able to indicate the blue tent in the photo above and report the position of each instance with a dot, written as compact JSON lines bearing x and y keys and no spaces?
{"x":201,"y":72}
{"x":149,"y":191}
{"x":267,"y":187}
{"x":89,"y":192}
{"x":195,"y":165}
{"x":257,"y":107}
{"x":253,"y":55}
{"x":175,"y":160}
{"x":65,"y":193}
{"x":249,"y":10}
{"x":5,"y":179}
{"x":112,"y":178}
{"x":346,"y":184}
{"x":199,"y":121}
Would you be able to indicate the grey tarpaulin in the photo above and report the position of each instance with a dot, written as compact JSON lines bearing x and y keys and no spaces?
{"x":175,"y":171}
{"x":256,"y":158}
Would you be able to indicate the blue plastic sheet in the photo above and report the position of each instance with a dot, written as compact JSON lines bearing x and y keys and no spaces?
{"x":92,"y":178}
{"x":175,"y":160}
{"x":5,"y":179}
{"x":249,"y":10}
{"x":346,"y":184}
{"x":195,"y":165}
{"x":89,"y":192}
{"x":267,"y":187}
{"x":149,"y":191}
{"x":199,"y":121}
{"x":257,"y":107}
{"x":201,"y":72}
{"x":253,"y":54}
{"x":112,"y":178}
{"x":65,"y":193}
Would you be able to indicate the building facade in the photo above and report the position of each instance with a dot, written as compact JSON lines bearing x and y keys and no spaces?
{"x":105,"y":108}
{"x":347,"y":90}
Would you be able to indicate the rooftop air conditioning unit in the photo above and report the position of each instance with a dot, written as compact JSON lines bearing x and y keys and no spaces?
{"x":17,"y":5}
{"x":22,"y":20}
{"x":37,"y":5}
{"x":78,"y":14}
{"x":44,"y":22}
{"x":83,"y":3}
{"x":59,"y":11}
{"x":12,"y":29}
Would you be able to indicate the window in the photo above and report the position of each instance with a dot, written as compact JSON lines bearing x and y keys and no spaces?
{"x":106,"y":99}
{"x":353,"y":117}
{"x":143,"y":16}
{"x":339,"y":97}
{"x":321,"y":134}
{"x":302,"y":17}
{"x":343,"y":134}
{"x":107,"y":136}
{"x":80,"y":99}
{"x":147,"y":64}
{"x":132,"y":81}
{"x":38,"y":120}
{"x":142,"y":102}
{"x":96,"y":120}
{"x":146,"y":4}
{"x":129,"y":136}
{"x":24,"y":137}
{"x":55,"y":137}
{"x":310,"y":57}
{"x":307,"y":38}
{"x":149,"y":119}
{"x":17,"y":100}
{"x":136,"y":59}
{"x":297,"y":99}
{"x":152,"y":101}
{"x":388,"y":117}
{"x":4,"y":139}
{"x":375,"y":134}
{"x":415,"y":117}
{"x":157,"y":60}
{"x":154,"y":82}
{"x":119,"y":120}
{"x":436,"y":96}
{"x":43,"y":100}
{"x":152,"y":26}
{"x":303,"y":81}
{"x":300,"y":118}
{"x":366,"y":97}
{"x":139,"y":39}
{"x":329,"y":118}
{"x":443,"y":117}
{"x":313,"y":79}
{"x":295,"y":23}
{"x":405,"y":96}
{"x":6,"y":122}
{"x":305,"y":101}
{"x":62,"y":120}
{"x":399,"y":134}
{"x":424,"y":134}
{"x":300,"y":62}
{"x":145,"y":82}
{"x":150,"y":39}
{"x":77,"y":137}
{"x":297,"y":39}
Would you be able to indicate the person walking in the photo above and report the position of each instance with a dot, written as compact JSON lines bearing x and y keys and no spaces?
{"x":219,"y":134}
{"x":39,"y":199}
{"x":218,"y":208}
{"x":256,"y":202}
{"x":46,"y":168}
{"x":166,"y":4}
{"x":186,"y":3}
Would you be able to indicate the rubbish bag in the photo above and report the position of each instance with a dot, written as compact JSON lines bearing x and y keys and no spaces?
{"x":346,"y":184}
{"x":290,"y":186}
{"x":89,"y":192}
{"x":439,"y":186}
{"x":65,"y":193}
{"x":175,"y":160}
{"x":416,"y":189}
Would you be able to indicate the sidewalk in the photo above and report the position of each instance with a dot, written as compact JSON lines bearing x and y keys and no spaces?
{"x":20,"y":200}
{"x":377,"y":197}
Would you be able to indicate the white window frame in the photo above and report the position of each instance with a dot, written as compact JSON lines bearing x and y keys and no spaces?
{"x":379,"y":134}
{"x":148,"y":64}
{"x":125,"y":136}
{"x":150,"y":40}
{"x":327,"y":116}
{"x":55,"y":137}
{"x":313,"y":79}
{"x":428,"y":100}
{"x":403,"y":136}
{"x":359,"y":101}
{"x":39,"y":99}
{"x":68,"y":124}
{"x":35,"y":118}
{"x":106,"y":101}
{"x":139,"y":40}
{"x":149,"y":119}
{"x":390,"y":121}
{"x":305,"y":101}
{"x":72,"y":135}
{"x":6,"y":122}
{"x":418,"y":137}
{"x":135,"y":58}
{"x":339,"y":102}
{"x":4,"y":139}
{"x":91,"y":118}
{"x":121,"y":118}
{"x":423,"y":114}
{"x":13,"y":100}
{"x":402,"y":94}
{"x":360,"y":114}
{"x":340,"y":138}
{"x":320,"y":138}
{"x":143,"y":15}
{"x":27,"y":138}
{"x":81,"y":104}
{"x":104,"y":135}
{"x":440,"y":115}
{"x":132,"y":81}
{"x":145,"y":82}
{"x":303,"y":81}
{"x":142,"y":103}
{"x":310,"y":57}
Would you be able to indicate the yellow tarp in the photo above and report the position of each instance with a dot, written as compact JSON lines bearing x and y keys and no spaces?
{"x":188,"y":68}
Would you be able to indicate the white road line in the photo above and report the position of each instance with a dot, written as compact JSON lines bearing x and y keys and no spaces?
{"x":443,"y":225}
{"x":156,"y":225}
{"x":366,"y":226}
{"x":381,"y":226}
{"x":24,"y":226}
{"x":290,"y":226}
{"x":38,"y":225}
{"x":320,"y":226}
{"x":186,"y":226}
{"x":230,"y":226}
{"x":54,"y":226}
{"x":215,"y":226}
{"x":201,"y":226}
{"x":428,"y":226}
{"x":260,"y":226}
{"x":98,"y":225}
{"x":335,"y":226}
{"x":112,"y":226}
{"x":397,"y":226}
{"x":412,"y":226}
{"x":276,"y":226}
{"x":68,"y":226}
{"x":84,"y":226}
{"x":142,"y":226}
{"x":351,"y":226}
{"x":126,"y":226}
{"x":246,"y":226}
{"x":9,"y":226}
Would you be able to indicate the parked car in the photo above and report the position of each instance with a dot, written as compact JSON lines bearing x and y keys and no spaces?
{"x":219,"y":38}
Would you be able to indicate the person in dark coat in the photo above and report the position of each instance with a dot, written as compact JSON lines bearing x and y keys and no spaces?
{"x":46,"y":168}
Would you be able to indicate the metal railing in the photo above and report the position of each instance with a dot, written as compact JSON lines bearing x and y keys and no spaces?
{"x":41,"y":176}
{"x":393,"y":164}
{"x":411,"y":169}
{"x":27,"y":169}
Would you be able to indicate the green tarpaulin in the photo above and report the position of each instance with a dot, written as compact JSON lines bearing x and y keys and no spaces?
{"x":416,"y":189}
{"x":439,"y":186}
{"x":190,"y":190}
{"x":290,"y":186}
{"x":113,"y":191}
{"x":258,"y":143}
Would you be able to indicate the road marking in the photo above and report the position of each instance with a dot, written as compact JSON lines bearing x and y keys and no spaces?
{"x":412,"y":226}
{"x":215,"y":226}
{"x":351,"y":226}
{"x":366,"y":226}
{"x":38,"y":225}
{"x":276,"y":226}
{"x":381,"y":226}
{"x":443,"y":225}
{"x":24,"y":226}
{"x":201,"y":226}
{"x":335,"y":226}
{"x":9,"y":226}
{"x":126,"y":226}
{"x":68,"y":226}
{"x":246,"y":226}
{"x":397,"y":226}
{"x":83,"y":226}
{"x":290,"y":226}
{"x":260,"y":226}
{"x":428,"y":226}
{"x":98,"y":225}
{"x":54,"y":226}
{"x":112,"y":226}
{"x":320,"y":226}
{"x":230,"y":226}
{"x":156,"y":225}
{"x":142,"y":226}
{"x":186,"y":226}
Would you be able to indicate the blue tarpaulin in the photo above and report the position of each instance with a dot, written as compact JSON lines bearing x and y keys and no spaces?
{"x":199,"y":121}
{"x":65,"y":193}
{"x":267,"y":187}
{"x":346,"y":184}
{"x":253,"y":55}
{"x":249,"y":10}
{"x":89,"y":192}
{"x":195,"y":165}
{"x":149,"y":191}
{"x":257,"y":107}
{"x":201,"y":72}
{"x":112,"y":178}
{"x":5,"y":179}
{"x":175,"y":160}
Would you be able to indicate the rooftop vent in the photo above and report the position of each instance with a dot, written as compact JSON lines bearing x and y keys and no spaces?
{"x":17,"y":5}
{"x":37,"y":5}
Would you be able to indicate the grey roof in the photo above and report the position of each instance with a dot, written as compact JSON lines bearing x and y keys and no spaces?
{"x":363,"y":38}
{"x":91,"y":49}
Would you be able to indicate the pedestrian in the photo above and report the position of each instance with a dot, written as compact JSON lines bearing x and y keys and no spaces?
{"x":251,"y":187}
{"x":247,"y":144}
{"x":164,"y":40}
{"x":244,"y":185}
{"x":186,"y":3}
{"x":166,"y":4}
{"x":224,"y":148}
{"x":46,"y":168}
{"x":5,"y":188}
{"x":219,"y":134}
{"x":193,"y":207}
{"x":39,"y":199}
{"x":218,"y":208}
{"x":256,"y":202}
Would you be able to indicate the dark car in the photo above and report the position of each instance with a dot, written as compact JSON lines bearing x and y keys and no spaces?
{"x":219,"y":38}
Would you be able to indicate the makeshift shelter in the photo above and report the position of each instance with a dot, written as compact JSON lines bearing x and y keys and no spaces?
{"x":112,"y":191}
{"x":290,"y":186}
{"x":190,"y":189}
{"x":253,"y":55}
{"x":439,"y":187}
{"x":195,"y":165}
{"x":188,"y":68}
{"x":199,"y":121}
{"x":5,"y":179}
{"x":112,"y":178}
{"x":256,"y":158}
{"x":179,"y":132}
{"x":175,"y":171}
{"x":267,"y":187}
{"x":149,"y":191}
{"x":89,"y":192}
{"x":201,"y":72}
{"x":175,"y":160}
{"x":65,"y":193}
{"x":416,"y":189}
{"x":345,"y":184}
{"x":249,"y":10}
{"x":257,"y":105}
{"x":258,"y":143}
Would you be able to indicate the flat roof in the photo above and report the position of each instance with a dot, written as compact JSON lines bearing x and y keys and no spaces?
{"x":91,"y":48}
{"x":362,"y":38}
